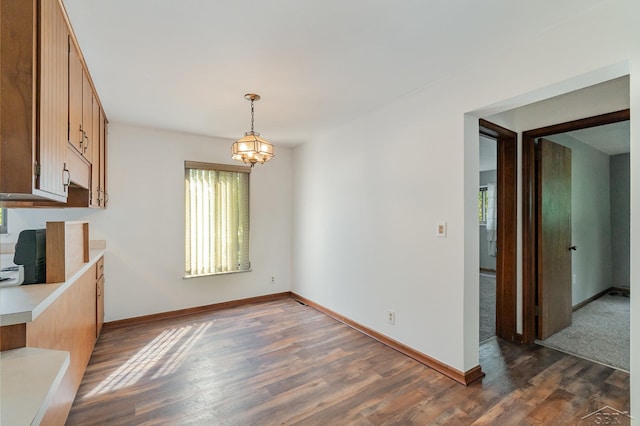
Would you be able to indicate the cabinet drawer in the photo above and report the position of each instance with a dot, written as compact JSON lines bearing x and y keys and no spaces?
{"x":100,"y":267}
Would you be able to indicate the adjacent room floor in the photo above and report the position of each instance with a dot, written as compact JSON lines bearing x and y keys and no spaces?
{"x":487,"y":306}
{"x":599,"y":332}
{"x":281,"y":362}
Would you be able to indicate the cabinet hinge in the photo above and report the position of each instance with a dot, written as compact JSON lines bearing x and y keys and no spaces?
{"x":36,"y":169}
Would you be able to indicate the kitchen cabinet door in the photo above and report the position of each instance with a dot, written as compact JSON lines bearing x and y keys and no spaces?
{"x":76,"y":135}
{"x":99,"y":296}
{"x":81,"y":100}
{"x":53,"y":105}
{"x":34,"y":101}
{"x":103,"y":194}
{"x":95,"y":157}
{"x":87,"y":116}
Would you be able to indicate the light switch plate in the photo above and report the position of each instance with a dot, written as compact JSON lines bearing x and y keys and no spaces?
{"x":441,"y":229}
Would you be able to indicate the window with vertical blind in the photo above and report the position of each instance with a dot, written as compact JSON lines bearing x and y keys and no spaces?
{"x":216,"y":219}
{"x":482,"y":205}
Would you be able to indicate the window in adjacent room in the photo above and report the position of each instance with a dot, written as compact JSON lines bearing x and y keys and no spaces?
{"x":482,"y":205}
{"x":3,"y":221}
{"x":216,"y":219}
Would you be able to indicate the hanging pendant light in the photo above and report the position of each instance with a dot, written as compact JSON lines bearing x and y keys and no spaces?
{"x":252,"y":148}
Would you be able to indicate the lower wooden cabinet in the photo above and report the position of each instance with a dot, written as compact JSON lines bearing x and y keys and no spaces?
{"x":99,"y":296}
{"x":68,"y":324}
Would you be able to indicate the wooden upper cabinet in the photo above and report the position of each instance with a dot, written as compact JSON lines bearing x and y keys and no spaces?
{"x":81,"y":100}
{"x":34,"y":101}
{"x":52,"y":126}
{"x":87,"y":116}
{"x":103,"y":193}
{"x":54,"y":98}
{"x":76,"y":73}
{"x":94,"y":200}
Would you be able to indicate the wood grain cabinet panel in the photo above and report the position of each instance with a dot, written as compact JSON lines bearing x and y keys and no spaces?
{"x":54,"y":98}
{"x":81,"y":105}
{"x":87,"y":116}
{"x":94,"y":200}
{"x":99,"y":296}
{"x":99,"y":305}
{"x":103,"y":194}
{"x":68,"y":324}
{"x":76,"y":135}
{"x":49,"y":107}
{"x":34,"y":101}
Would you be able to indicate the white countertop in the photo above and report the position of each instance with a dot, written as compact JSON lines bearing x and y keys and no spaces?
{"x":29,"y":378}
{"x":24,"y":303}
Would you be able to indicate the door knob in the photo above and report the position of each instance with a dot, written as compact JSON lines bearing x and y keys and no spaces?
{"x":573,"y":248}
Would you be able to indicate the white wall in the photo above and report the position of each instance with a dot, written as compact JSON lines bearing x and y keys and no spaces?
{"x":144,"y":224}
{"x":590,"y":218}
{"x":368,"y":195}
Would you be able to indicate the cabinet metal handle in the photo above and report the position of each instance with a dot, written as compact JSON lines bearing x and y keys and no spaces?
{"x":81,"y":142}
{"x":86,"y":145}
{"x":66,"y":182}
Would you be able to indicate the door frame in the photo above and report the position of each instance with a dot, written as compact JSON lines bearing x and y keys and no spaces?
{"x":529,"y":209}
{"x":506,"y":281}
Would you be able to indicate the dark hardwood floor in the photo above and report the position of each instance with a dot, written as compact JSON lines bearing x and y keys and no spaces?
{"x":280,"y":362}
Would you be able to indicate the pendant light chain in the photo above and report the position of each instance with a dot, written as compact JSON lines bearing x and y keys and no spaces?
{"x":251,"y":115}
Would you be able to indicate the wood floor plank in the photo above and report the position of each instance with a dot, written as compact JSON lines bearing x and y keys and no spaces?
{"x":283,"y":363}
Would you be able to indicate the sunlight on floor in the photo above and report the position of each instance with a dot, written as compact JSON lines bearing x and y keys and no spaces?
{"x":152,"y":354}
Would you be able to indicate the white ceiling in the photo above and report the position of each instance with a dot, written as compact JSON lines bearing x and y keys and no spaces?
{"x":186,"y":65}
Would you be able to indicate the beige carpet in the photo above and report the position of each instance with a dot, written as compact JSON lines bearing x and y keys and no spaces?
{"x":487,"y":306}
{"x":599,"y":332}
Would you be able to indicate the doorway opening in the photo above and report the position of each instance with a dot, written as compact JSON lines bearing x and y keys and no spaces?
{"x":488,"y":232}
{"x":534,"y":286}
{"x":503,"y":224}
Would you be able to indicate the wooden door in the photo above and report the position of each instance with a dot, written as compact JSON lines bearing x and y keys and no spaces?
{"x":554,"y":237}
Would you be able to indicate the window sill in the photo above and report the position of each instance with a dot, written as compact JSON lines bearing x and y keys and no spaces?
{"x":188,"y":277}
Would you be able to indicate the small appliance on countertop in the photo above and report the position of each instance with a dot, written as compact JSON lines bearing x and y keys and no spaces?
{"x":11,"y":275}
{"x":30,"y":252}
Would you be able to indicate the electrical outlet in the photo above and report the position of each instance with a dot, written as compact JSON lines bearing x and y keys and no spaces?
{"x":391,"y":317}
{"x":441,"y":229}
{"x":273,"y":280}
